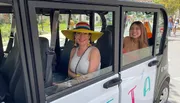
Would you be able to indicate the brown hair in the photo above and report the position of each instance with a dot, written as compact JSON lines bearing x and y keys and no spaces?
{"x":171,"y":19}
{"x":75,"y":44}
{"x":142,"y":39}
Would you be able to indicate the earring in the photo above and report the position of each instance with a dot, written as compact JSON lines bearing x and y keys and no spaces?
{"x":89,"y":44}
{"x":75,"y":44}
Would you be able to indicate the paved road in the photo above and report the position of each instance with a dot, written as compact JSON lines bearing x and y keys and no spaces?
{"x":174,"y":67}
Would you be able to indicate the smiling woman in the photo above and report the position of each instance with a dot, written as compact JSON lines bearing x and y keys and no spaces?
{"x":137,"y":38}
{"x":137,"y":43}
{"x":84,"y":58}
{"x":82,"y":38}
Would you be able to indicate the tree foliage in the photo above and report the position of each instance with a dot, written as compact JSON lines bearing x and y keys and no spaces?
{"x":171,"y":5}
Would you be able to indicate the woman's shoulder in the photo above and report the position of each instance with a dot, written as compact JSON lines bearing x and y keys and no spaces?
{"x":127,"y":38}
{"x":73,"y":50}
{"x":94,"y":49}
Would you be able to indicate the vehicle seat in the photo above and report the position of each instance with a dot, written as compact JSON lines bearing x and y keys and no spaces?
{"x":3,"y":88}
{"x":44,"y":46}
{"x":64,"y":61}
{"x":18,"y":78}
{"x":104,"y":44}
{"x":9,"y":65}
{"x":110,"y":28}
{"x":12,"y":73}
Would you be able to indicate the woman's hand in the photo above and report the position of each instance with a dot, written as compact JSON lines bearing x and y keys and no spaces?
{"x":71,"y":74}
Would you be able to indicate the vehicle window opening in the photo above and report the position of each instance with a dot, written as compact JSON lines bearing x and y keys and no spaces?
{"x":1,"y":48}
{"x":137,"y":23}
{"x":59,"y":75}
{"x":7,"y":32}
{"x":12,"y":35}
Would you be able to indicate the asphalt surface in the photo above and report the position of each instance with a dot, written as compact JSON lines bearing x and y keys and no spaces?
{"x":174,"y":67}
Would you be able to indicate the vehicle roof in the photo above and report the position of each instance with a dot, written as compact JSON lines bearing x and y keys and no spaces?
{"x":5,"y":2}
{"x":101,"y":2}
{"x":115,"y":3}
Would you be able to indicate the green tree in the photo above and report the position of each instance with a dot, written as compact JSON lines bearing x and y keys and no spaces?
{"x":171,"y":5}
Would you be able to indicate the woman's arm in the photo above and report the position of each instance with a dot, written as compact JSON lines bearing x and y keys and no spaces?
{"x":94,"y":60}
{"x":125,"y":43}
{"x":70,"y":73}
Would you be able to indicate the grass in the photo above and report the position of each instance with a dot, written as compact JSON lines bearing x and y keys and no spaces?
{"x":63,"y":26}
{"x":98,"y":24}
{"x":5,"y":31}
{"x":45,"y":28}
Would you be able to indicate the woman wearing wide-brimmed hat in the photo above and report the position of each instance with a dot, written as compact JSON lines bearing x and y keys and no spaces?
{"x":84,"y":58}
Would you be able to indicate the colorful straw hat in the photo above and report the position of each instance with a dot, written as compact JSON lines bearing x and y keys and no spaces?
{"x":84,"y":28}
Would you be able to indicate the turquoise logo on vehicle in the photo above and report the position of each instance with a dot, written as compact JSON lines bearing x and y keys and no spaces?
{"x":147,"y":85}
{"x":109,"y":101}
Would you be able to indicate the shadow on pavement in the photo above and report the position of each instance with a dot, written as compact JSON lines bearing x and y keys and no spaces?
{"x":174,"y":38}
{"x":172,"y":101}
{"x":174,"y":95}
{"x":173,"y":91}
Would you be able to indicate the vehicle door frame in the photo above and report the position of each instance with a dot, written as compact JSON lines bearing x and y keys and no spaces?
{"x":135,"y":9}
{"x":33,"y":26}
{"x":19,"y":8}
{"x":162,"y":72}
{"x":154,"y":36}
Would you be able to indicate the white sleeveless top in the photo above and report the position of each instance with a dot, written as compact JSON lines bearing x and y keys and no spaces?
{"x":83,"y":65}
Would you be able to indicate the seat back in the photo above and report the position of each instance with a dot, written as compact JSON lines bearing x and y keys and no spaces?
{"x":17,"y":80}
{"x":12,"y":72}
{"x":19,"y":92}
{"x":110,"y":28}
{"x":16,"y":85}
{"x":44,"y":45}
{"x":64,"y":59}
{"x":104,"y":44}
{"x":9,"y":64}
{"x":3,"y":88}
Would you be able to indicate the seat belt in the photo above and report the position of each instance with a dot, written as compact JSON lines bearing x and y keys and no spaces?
{"x":1,"y":48}
{"x":11,"y":37}
{"x":51,"y":50}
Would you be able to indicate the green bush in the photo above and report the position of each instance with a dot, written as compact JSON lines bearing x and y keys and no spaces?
{"x":5,"y":31}
{"x":98,"y":24}
{"x":44,"y":28}
{"x":63,"y":26}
